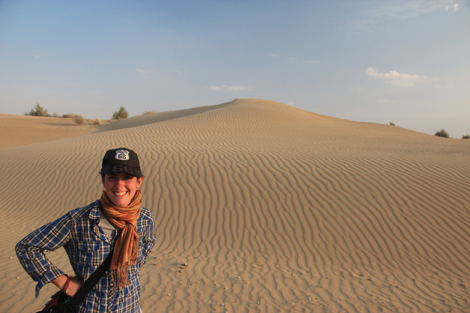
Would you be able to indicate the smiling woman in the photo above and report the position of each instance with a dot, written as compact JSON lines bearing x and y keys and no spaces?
{"x":121,"y":176}
{"x":115,"y":222}
{"x":120,"y":188}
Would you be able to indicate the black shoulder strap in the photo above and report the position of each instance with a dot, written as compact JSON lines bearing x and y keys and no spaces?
{"x":85,"y":289}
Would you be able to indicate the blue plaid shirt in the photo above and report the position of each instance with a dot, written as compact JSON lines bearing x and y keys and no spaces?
{"x":87,"y":247}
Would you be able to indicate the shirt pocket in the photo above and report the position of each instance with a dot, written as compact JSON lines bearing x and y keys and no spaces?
{"x":89,"y":253}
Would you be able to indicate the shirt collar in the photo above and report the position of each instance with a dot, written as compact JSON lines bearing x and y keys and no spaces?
{"x":95,"y":211}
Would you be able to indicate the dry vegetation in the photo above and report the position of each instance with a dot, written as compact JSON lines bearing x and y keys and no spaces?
{"x":78,"y":119}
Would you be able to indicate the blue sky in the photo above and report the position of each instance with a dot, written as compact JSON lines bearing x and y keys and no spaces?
{"x":371,"y":61}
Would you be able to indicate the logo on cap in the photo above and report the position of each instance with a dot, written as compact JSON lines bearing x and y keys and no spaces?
{"x":122,"y":155}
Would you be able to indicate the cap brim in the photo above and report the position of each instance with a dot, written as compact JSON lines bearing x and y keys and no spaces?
{"x":110,"y":169}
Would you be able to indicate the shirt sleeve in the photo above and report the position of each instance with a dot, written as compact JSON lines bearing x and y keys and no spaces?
{"x":149,"y":237}
{"x":31,"y":250}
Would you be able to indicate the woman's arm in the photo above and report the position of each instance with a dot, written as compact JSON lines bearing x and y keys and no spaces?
{"x":149,"y":237}
{"x":31,"y":250}
{"x":72,"y":287}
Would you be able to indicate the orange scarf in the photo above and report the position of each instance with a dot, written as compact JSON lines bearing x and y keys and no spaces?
{"x":127,"y":244}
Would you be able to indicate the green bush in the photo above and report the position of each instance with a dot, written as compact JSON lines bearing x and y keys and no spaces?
{"x":466,"y":137}
{"x":442,"y":133}
{"x":38,"y":111}
{"x":392,"y":124}
{"x":122,"y":113}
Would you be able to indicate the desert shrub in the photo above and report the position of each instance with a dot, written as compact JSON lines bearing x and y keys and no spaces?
{"x":442,"y":133}
{"x":466,"y":137}
{"x":392,"y":124}
{"x":55,"y":115}
{"x":68,"y":115}
{"x":38,"y":111}
{"x":149,"y":112}
{"x":96,"y":121}
{"x":78,"y":119}
{"x":122,"y":113}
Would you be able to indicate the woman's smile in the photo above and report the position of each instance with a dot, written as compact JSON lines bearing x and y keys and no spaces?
{"x":121,"y":187}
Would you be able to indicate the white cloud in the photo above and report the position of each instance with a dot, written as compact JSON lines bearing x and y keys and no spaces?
{"x":402,"y":9}
{"x":291,"y":59}
{"x":412,"y":8}
{"x":398,"y":79}
{"x":385,"y":100}
{"x":141,"y":71}
{"x":356,"y":89}
{"x":453,"y":5}
{"x":226,"y":88}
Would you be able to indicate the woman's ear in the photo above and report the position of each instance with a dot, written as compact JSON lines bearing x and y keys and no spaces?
{"x":139,"y":181}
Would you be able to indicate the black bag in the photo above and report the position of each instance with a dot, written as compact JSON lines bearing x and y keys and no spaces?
{"x":56,"y":303}
{"x":59,"y":303}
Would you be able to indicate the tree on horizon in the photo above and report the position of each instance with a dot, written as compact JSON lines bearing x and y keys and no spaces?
{"x":121,"y":114}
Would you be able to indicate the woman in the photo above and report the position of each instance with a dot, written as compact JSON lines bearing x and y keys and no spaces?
{"x":89,"y":233}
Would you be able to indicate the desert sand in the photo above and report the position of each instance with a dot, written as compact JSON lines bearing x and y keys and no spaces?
{"x":274,"y":209}
{"x":20,"y":130}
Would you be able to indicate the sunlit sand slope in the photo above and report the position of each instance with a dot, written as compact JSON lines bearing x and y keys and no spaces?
{"x":19,"y":130}
{"x":274,"y":209}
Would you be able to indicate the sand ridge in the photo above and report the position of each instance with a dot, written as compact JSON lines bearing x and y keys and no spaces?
{"x":18,"y":130}
{"x":274,"y":209}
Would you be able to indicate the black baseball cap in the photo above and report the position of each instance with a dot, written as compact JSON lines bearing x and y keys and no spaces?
{"x":121,"y":160}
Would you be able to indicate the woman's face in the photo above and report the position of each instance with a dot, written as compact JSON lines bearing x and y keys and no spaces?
{"x":121,"y":187}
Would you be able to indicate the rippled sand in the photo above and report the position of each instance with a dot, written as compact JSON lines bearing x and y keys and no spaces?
{"x":274,"y":209}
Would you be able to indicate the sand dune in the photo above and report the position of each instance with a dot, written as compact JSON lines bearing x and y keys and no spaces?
{"x":18,"y":130}
{"x":274,"y":209}
{"x":156,"y":117}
